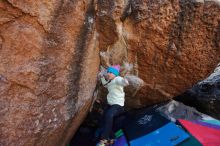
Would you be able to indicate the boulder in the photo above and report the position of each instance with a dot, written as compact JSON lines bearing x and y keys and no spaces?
{"x":49,"y":54}
{"x":204,"y":96}
{"x":171,"y":44}
{"x":49,"y":61}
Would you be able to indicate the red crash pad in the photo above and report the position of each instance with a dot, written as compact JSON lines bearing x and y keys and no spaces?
{"x":205,"y":135}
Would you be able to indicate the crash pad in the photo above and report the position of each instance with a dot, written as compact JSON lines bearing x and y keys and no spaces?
{"x":119,"y":133}
{"x":121,"y":141}
{"x":143,"y":122}
{"x":215,"y":122}
{"x":205,"y":135}
{"x":191,"y":141}
{"x":207,"y":124}
{"x":168,"y":135}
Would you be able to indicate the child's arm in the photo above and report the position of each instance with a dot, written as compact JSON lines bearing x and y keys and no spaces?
{"x":122,"y":81}
{"x":104,"y":82}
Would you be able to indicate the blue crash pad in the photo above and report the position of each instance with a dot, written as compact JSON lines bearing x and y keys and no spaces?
{"x":168,"y":135}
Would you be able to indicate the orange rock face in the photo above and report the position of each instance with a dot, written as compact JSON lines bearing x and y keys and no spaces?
{"x":172,"y":44}
{"x":49,"y":58}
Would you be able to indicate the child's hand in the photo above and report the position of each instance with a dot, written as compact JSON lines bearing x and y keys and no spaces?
{"x":99,"y":76}
{"x":102,"y":73}
{"x":125,"y":82}
{"x":135,"y":81}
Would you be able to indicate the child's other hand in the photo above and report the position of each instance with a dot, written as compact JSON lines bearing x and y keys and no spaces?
{"x":135,"y":81}
{"x":125,"y":82}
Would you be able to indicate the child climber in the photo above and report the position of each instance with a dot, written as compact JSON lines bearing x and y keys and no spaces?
{"x":115,"y":98}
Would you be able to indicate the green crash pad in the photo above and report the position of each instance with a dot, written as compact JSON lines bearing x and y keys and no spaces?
{"x":215,"y":122}
{"x":191,"y":141}
{"x":119,"y":133}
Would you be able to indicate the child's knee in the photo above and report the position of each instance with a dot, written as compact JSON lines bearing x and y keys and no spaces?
{"x":109,"y":115}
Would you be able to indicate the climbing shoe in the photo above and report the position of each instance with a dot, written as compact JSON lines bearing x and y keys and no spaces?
{"x":103,"y":142}
{"x":111,"y":141}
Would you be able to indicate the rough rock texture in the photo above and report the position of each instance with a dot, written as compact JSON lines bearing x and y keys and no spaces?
{"x":172,"y":44}
{"x":49,"y":54}
{"x":47,"y":50}
{"x":205,"y":96}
